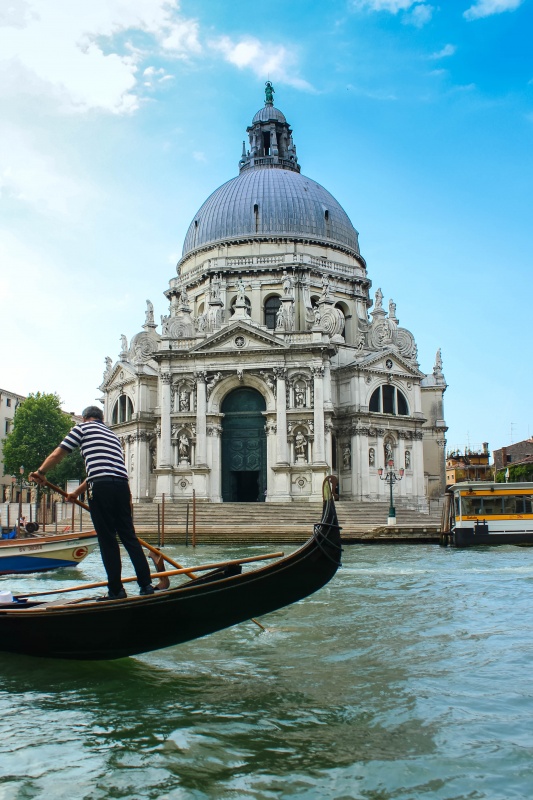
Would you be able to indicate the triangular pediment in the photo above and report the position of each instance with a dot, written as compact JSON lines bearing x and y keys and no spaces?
{"x":241,"y":337}
{"x":122,"y":373}
{"x":381,"y":362}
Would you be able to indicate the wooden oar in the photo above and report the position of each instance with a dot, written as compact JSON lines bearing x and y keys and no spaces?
{"x":149,"y":547}
{"x":155,"y":550}
{"x":182,"y":571}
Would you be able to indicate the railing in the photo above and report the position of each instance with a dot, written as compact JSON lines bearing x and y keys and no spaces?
{"x":213,"y":265}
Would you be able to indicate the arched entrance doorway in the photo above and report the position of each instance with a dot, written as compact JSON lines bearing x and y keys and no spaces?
{"x":243,"y":447}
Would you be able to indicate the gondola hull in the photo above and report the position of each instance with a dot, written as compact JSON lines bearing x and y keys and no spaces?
{"x":119,"y":628}
{"x":45,"y":553}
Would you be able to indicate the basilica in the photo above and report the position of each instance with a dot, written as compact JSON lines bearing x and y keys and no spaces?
{"x":275,"y":364}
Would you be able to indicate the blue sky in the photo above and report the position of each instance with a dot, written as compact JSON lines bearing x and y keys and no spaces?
{"x":119,"y":119}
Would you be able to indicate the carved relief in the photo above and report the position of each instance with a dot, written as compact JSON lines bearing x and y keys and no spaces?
{"x":347,"y":456}
{"x":212,"y":382}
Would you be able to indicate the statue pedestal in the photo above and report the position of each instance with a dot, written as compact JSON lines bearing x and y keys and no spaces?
{"x":240,"y":311}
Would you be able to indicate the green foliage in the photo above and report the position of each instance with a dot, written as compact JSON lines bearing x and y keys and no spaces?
{"x":517,"y":474}
{"x":38,"y":428}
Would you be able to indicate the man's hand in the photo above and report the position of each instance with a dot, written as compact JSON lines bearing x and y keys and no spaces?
{"x":73,"y":496}
{"x":36,"y":477}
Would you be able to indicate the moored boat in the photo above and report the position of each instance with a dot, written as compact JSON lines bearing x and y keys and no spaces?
{"x":488,"y":513}
{"x":44,"y":553}
{"x":224,"y":596}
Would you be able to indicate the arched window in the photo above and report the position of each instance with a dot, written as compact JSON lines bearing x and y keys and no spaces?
{"x":271,"y":309}
{"x":388,"y":399}
{"x":342,"y":309}
{"x":123,"y":410}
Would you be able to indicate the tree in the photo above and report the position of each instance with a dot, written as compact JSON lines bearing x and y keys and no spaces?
{"x":38,"y":428}
{"x":517,"y":473}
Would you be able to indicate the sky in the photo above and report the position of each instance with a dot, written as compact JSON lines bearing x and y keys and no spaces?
{"x":119,"y":118}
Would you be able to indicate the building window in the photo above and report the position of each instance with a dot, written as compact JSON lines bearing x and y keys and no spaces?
{"x":8,"y":402}
{"x":123,"y":410}
{"x":271,"y":310}
{"x":388,"y":399}
{"x":7,"y":426}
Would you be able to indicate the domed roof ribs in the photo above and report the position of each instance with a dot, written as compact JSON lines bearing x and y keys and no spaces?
{"x":271,"y":142}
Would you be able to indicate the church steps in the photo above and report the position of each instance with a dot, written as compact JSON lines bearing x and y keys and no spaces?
{"x":259,"y":523}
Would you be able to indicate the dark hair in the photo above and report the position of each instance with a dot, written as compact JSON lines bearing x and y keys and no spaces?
{"x":93,"y":411}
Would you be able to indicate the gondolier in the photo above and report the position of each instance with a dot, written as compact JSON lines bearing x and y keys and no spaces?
{"x":109,"y":497}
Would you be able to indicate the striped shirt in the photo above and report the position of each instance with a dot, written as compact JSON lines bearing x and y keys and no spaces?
{"x":100,"y":448}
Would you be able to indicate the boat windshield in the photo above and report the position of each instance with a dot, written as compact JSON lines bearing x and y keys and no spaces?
{"x":496,"y":505}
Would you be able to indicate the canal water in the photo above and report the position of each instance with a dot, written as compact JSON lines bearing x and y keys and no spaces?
{"x":408,"y":677}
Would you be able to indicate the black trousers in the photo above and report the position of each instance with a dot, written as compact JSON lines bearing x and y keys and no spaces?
{"x":110,"y":506}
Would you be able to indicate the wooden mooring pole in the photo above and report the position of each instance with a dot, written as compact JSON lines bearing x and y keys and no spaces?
{"x":163,"y":520}
{"x":194,"y":518}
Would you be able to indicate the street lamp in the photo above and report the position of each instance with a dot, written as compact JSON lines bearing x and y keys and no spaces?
{"x":390,"y":477}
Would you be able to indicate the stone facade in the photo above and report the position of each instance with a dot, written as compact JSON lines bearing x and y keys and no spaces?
{"x":9,"y":402}
{"x":269,"y":371}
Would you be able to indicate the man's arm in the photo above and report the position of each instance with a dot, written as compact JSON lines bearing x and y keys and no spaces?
{"x":72,"y":496}
{"x":55,"y":457}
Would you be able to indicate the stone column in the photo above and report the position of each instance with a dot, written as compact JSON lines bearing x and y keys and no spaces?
{"x":165,"y":448}
{"x":282,"y":454}
{"x":256,"y":310}
{"x":327,"y":385}
{"x":201,"y":420}
{"x":214,"y":477}
{"x":319,"y":448}
{"x":328,"y":455}
{"x":417,"y":460}
{"x":142,"y":467}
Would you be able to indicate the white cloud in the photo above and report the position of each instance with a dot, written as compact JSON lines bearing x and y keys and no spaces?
{"x":417,"y":12}
{"x":485,"y":8}
{"x":447,"y":51}
{"x":181,"y":39}
{"x":79,"y":53}
{"x":35,"y":179}
{"x":419,"y":15}
{"x":153,"y":76}
{"x":266,"y":60}
{"x":393,"y":6}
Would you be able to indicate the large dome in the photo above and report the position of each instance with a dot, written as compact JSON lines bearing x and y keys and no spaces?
{"x":271,"y":203}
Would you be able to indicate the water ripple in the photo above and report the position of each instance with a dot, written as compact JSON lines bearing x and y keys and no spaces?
{"x":407,"y":678}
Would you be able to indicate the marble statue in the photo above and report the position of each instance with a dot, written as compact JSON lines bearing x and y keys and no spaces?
{"x":346,"y":457}
{"x":299,"y":445}
{"x":183,"y":446}
{"x":149,"y":313}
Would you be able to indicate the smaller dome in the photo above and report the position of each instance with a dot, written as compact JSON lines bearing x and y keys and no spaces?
{"x":267,"y":113}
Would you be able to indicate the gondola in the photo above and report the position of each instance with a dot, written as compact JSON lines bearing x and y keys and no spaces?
{"x":44,"y":553}
{"x":224,"y":596}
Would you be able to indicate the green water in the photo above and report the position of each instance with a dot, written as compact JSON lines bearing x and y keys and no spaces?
{"x":407,"y":677}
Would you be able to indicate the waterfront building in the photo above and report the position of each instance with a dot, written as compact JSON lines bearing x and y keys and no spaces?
{"x":274,"y":366}
{"x":9,"y":402}
{"x":513,"y":455}
{"x":472,"y":464}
